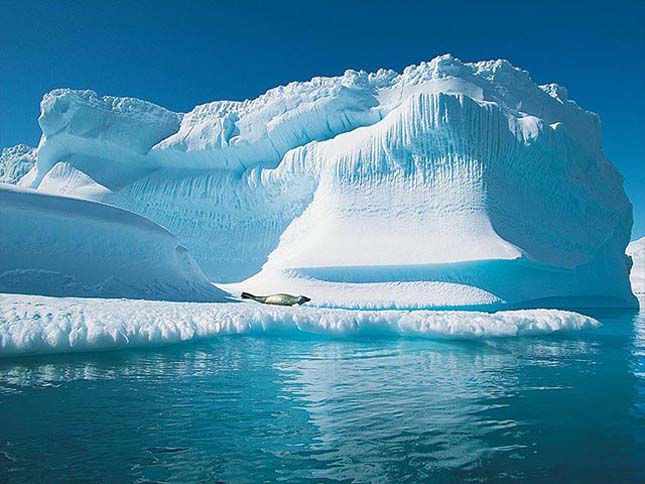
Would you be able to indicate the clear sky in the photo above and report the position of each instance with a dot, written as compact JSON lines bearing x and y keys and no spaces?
{"x":179,"y":54}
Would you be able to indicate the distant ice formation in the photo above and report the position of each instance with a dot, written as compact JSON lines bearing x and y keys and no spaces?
{"x":636,"y":250}
{"x":61,"y":246}
{"x":37,"y":324}
{"x":449,"y":185}
{"x":16,"y":162}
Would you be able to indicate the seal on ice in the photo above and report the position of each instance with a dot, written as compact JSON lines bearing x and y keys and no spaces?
{"x":277,"y":299}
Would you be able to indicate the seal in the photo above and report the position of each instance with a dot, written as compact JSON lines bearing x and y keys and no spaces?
{"x":277,"y":299}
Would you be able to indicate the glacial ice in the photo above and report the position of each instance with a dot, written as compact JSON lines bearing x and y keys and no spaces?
{"x":38,"y":324}
{"x":449,"y":185}
{"x":62,"y":246}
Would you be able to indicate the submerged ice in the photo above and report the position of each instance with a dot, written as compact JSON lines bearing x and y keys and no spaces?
{"x":449,"y":185}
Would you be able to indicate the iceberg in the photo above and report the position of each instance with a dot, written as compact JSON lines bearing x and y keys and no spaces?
{"x":449,"y":185}
{"x":61,"y":246}
{"x":38,"y":324}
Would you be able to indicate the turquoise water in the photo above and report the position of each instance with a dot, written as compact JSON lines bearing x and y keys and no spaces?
{"x":567,"y":407}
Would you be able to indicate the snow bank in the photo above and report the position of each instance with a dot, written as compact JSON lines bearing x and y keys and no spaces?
{"x":636,"y":250}
{"x":35,"y":324}
{"x":60,"y":246}
{"x":447,"y":165}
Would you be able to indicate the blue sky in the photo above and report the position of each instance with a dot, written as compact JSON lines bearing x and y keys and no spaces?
{"x":190,"y":52}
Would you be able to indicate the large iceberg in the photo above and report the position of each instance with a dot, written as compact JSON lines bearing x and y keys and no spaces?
{"x":450,"y":185}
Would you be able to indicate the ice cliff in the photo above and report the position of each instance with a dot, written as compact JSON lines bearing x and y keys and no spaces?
{"x":450,"y":184}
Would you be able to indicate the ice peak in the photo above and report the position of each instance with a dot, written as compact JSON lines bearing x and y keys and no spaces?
{"x":556,"y":91}
{"x":441,"y":66}
{"x":356,"y":78}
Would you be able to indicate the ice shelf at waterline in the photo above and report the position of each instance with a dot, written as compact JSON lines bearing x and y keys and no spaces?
{"x":450,"y":184}
{"x":38,"y":324}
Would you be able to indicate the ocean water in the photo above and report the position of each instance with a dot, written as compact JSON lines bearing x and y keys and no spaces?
{"x":566,"y":407}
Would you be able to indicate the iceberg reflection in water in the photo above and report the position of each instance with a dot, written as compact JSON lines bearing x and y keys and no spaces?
{"x":566,"y":406}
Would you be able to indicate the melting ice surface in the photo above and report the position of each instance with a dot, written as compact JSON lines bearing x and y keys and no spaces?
{"x":565,"y":407}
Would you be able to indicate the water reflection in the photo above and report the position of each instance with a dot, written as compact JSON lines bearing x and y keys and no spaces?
{"x":249,"y":409}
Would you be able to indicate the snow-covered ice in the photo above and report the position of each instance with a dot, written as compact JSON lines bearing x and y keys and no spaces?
{"x":62,"y":246}
{"x":450,"y":184}
{"x":38,"y":324}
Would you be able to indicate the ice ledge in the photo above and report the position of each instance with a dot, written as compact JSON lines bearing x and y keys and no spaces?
{"x":36,"y":324}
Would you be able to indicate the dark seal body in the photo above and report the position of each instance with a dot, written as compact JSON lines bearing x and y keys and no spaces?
{"x":277,"y":299}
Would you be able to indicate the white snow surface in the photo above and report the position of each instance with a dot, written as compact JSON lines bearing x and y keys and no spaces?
{"x":62,"y":246}
{"x":636,"y":250}
{"x":37,"y":324}
{"x":421,"y":189}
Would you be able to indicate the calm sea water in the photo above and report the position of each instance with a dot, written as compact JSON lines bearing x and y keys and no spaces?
{"x":568,"y":408}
